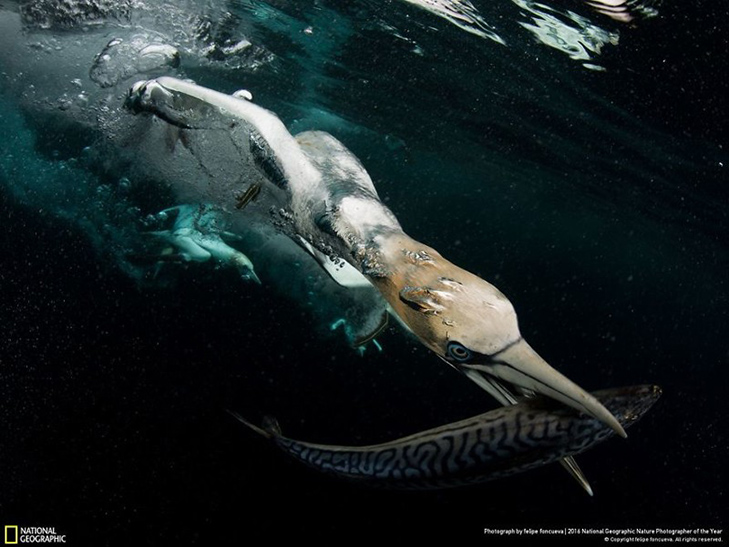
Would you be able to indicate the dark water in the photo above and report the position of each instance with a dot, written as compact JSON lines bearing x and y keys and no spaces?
{"x":595,"y":199}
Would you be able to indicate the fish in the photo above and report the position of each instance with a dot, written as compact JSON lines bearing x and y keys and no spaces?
{"x":500,"y":443}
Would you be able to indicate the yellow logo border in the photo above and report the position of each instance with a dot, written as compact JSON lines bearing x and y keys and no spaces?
{"x":7,"y":528}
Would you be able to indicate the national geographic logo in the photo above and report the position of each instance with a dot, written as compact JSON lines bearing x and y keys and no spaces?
{"x":32,"y":534}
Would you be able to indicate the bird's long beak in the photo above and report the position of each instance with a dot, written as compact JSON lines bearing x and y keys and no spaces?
{"x":521,"y":366}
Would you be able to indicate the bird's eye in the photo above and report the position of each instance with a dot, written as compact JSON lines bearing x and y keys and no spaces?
{"x":459,"y":352}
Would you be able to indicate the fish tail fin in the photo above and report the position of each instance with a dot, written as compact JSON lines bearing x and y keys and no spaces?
{"x":270,"y":425}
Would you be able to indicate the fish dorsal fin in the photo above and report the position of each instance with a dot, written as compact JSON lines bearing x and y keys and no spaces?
{"x":270,"y":425}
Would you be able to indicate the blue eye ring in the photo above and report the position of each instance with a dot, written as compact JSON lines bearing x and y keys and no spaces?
{"x":459,"y":352}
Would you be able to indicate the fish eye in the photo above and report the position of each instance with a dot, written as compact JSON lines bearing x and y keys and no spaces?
{"x":459,"y":352}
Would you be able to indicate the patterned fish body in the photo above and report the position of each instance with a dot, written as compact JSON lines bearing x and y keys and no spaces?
{"x":496,"y":444}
